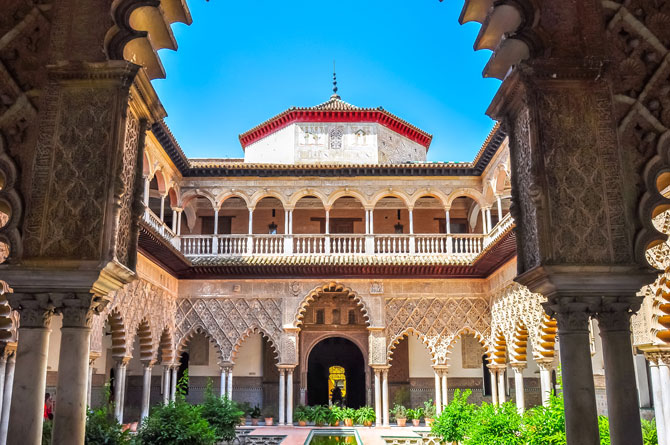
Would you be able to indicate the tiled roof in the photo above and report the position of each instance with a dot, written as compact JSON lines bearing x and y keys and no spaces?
{"x":335,"y":259}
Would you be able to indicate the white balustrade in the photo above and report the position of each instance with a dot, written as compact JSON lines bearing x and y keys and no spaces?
{"x":309,"y":244}
{"x":268,"y":244}
{"x":349,"y":244}
{"x":503,"y":226}
{"x":393,"y":244}
{"x":159,"y":226}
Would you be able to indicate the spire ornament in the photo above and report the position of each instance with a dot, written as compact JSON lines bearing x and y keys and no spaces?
{"x":335,"y":95}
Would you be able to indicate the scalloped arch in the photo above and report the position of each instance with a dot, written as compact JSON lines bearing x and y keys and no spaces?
{"x":405,"y":334}
{"x":199,"y":329}
{"x":251,"y":331}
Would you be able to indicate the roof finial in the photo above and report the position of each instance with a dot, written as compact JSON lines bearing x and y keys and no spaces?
{"x":335,"y":95}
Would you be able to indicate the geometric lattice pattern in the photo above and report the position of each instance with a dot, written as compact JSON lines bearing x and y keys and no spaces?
{"x":436,"y":321}
{"x":228,"y":321}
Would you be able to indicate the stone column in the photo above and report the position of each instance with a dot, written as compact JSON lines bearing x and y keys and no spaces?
{"x":385,"y":396}
{"x":378,"y":398}
{"x":372,"y":222}
{"x":489,"y":224}
{"x":328,"y":222}
{"x":229,"y":392}
{"x":147,"y":184}
{"x":483,"y":213}
{"x":438,"y":393}
{"x":222,"y":384}
{"x":502,"y":386}
{"x":581,"y":418}
{"x":174,"y":220}
{"x":7,"y":399}
{"x":445,"y":393}
{"x":166,"y":384}
{"x":216,"y":221}
{"x":494,"y":385}
{"x":119,"y":387}
{"x":282,"y":396}
{"x":657,"y":395}
{"x":447,"y":221}
{"x":622,"y":397}
{"x":251,"y":221}
{"x":31,"y":370}
{"x":89,"y":383}
{"x":664,"y":372}
{"x":289,"y":397}
{"x":499,"y":202}
{"x":179,"y":212}
{"x":162,"y":208}
{"x":146,"y":390}
{"x":518,"y":386}
{"x":173,"y":391}
{"x":290,"y":222}
{"x":411,"y":221}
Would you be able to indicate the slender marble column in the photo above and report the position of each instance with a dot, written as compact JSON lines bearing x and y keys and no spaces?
{"x":328,"y":222}
{"x":173,"y":382}
{"x":518,"y":386}
{"x":282,"y":396}
{"x":372,"y":222}
{"x":502,"y":387}
{"x":499,"y":208}
{"x":664,"y":372}
{"x":216,"y":221}
{"x":147,"y":184}
{"x":581,"y":415}
{"x":230,"y":384}
{"x":89,"y":385}
{"x":445,"y":393}
{"x":545,"y":380}
{"x":7,"y":399}
{"x":378,"y":398}
{"x":179,"y":212}
{"x":146,"y":390}
{"x":489,"y":224}
{"x":657,"y":395}
{"x":411,"y":221}
{"x":163,"y":208}
{"x":622,"y":396}
{"x":289,"y":397}
{"x":3,"y":368}
{"x":494,"y":385}
{"x":290,"y":222}
{"x":483,"y":213}
{"x":166,"y":384}
{"x":447,"y":221}
{"x":438,"y":393}
{"x":174,"y":220}
{"x":251,"y":221}
{"x":119,"y":371}
{"x":385,"y":396}
{"x":224,"y":379}
{"x":29,"y":385}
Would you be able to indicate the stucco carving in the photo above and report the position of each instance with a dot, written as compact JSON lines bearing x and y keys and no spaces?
{"x":228,"y":321}
{"x":438,"y":321}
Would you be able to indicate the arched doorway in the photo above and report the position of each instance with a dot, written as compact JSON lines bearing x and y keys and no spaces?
{"x":328,"y":360}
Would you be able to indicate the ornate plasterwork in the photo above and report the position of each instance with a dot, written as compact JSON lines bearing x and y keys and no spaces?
{"x":437,"y":321}
{"x":138,"y":302}
{"x":516,"y":311}
{"x":330,"y":287}
{"x":228,"y":321}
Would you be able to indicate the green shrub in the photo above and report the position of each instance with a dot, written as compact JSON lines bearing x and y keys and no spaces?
{"x":349,"y":413}
{"x":649,"y":433}
{"x":414,"y":414}
{"x":47,"y":427}
{"x":319,"y":414}
{"x":176,"y":423}
{"x":546,"y":425}
{"x":495,"y":425}
{"x":452,"y":424}
{"x":102,"y":428}
{"x":364,"y":414}
{"x":604,"y":430}
{"x":429,"y":410}
{"x":336,"y":414}
{"x":301,"y":413}
{"x":221,"y":413}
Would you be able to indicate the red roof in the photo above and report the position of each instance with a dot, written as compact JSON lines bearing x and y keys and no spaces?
{"x":336,"y":110}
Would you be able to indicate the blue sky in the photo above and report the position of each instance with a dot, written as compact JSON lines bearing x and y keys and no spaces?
{"x":241,"y":62}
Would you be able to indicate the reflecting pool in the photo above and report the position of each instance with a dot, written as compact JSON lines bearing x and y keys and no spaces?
{"x":334,"y":439}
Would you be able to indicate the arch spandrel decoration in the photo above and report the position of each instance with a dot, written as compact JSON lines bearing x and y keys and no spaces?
{"x":136,"y":302}
{"x":227,"y":320}
{"x":515,"y":306}
{"x":331,"y":287}
{"x":438,"y":320}
{"x":406,"y":334}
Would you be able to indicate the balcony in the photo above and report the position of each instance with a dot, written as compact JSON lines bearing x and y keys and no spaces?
{"x":453,"y":248}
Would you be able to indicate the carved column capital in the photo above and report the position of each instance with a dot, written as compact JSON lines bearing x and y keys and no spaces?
{"x":35,"y":310}
{"x":78,"y":310}
{"x":571,"y":313}
{"x":653,"y":357}
{"x":519,"y":366}
{"x":663,"y":358}
{"x":545,"y":365}
{"x":614,"y":313}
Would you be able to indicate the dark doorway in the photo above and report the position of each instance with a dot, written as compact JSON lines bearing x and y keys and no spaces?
{"x":336,"y":352}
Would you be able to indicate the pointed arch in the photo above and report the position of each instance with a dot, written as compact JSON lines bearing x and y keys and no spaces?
{"x":405,"y":334}
{"x":330,"y":287}
{"x":251,"y":331}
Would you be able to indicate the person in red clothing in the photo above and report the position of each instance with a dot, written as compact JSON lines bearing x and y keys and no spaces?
{"x":48,"y":407}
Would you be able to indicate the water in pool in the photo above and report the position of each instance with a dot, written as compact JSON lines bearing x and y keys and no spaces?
{"x":332,"y":440}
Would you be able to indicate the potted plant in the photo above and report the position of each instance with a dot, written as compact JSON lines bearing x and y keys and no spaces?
{"x":429,"y":412}
{"x":336,"y":415}
{"x":320,"y":415}
{"x":268,"y":414}
{"x":348,"y":415}
{"x":255,"y":414}
{"x":415,"y":416}
{"x":365,"y":415}
{"x":301,"y":415}
{"x":245,"y":407}
{"x":399,"y":412}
